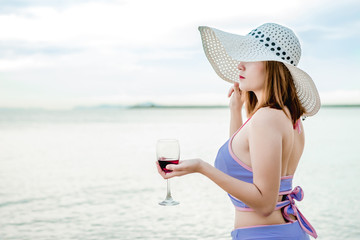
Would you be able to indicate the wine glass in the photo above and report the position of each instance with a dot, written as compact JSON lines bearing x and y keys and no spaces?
{"x":168,"y":152}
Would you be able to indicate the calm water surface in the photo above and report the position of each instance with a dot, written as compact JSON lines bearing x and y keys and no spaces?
{"x":90,"y":174}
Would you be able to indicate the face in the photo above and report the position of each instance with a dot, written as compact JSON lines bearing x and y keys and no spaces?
{"x":252,"y":76}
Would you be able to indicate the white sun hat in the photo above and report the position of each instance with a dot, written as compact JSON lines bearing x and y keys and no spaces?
{"x":268,"y":42}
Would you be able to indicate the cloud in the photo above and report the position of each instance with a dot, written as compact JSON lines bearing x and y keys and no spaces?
{"x":138,"y":23}
{"x":17,"y":49}
{"x":17,"y":6}
{"x":76,"y":51}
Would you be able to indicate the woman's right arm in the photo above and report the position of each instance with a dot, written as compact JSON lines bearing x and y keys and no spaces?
{"x":236,"y":103}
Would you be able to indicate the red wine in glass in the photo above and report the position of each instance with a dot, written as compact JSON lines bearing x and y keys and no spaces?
{"x":163,"y":162}
{"x":168,"y":152}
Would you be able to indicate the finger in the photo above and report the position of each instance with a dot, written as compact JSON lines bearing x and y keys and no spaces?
{"x":237,"y":90}
{"x":236,"y":87}
{"x":160,"y":171}
{"x":158,"y":167}
{"x":172,"y":167}
{"x":169,"y":175}
{"x":231,"y":90}
{"x":174,"y":174}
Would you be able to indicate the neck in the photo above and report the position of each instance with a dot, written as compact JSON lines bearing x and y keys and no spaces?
{"x":259,"y":95}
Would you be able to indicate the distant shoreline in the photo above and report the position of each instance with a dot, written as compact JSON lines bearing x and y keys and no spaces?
{"x":225,"y":106}
{"x":155,"y":106}
{"x":340,"y":106}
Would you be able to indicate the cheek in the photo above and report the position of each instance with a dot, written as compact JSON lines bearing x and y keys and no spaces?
{"x":260,"y":75}
{"x":260,"y":69}
{"x":255,"y":78}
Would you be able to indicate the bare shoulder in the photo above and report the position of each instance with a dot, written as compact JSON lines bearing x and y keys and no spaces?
{"x":266,"y":117}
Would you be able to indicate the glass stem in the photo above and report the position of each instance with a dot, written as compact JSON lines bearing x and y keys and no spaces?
{"x":168,"y":193}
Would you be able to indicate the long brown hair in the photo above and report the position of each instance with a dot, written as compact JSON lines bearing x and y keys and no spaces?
{"x":279,"y":92}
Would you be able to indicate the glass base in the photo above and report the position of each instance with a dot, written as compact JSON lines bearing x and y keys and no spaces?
{"x":168,"y":202}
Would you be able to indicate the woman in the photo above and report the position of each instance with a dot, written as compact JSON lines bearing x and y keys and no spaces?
{"x":256,"y":165}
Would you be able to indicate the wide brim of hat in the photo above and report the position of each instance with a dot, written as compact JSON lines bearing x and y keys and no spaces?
{"x":226,"y":50}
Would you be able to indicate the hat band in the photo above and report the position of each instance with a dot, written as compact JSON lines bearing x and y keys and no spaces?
{"x":272,"y":46}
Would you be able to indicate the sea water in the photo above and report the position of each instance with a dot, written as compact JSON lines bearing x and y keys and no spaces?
{"x":90,"y":174}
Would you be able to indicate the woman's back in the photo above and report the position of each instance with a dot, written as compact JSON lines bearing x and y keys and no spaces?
{"x":292,"y":155}
{"x":292,"y":146}
{"x":293,"y":141}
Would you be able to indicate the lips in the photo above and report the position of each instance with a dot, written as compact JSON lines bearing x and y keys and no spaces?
{"x":241,"y":77}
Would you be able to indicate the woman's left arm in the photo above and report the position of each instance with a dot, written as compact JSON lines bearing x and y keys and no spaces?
{"x":265,"y":146}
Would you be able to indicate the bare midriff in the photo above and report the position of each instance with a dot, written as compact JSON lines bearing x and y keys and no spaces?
{"x":247,"y":219}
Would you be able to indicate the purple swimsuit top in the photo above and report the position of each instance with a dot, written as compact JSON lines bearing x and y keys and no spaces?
{"x":227,"y":162}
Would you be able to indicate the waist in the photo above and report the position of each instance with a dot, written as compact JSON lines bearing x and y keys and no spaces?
{"x":285,"y":211}
{"x":248,"y":219}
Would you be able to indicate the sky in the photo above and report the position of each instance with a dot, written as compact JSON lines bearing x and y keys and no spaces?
{"x":63,"y":54}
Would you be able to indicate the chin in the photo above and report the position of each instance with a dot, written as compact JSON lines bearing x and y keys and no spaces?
{"x":242,"y":86}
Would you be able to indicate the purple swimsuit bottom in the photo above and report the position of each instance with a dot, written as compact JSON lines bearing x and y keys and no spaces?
{"x":227,"y":162}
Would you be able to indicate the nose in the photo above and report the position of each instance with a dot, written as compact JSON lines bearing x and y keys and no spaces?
{"x":241,"y":66}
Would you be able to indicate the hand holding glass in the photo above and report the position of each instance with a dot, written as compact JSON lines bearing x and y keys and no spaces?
{"x":168,"y":152}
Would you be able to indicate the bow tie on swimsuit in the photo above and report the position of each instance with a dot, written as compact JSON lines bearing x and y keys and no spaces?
{"x":289,"y":208}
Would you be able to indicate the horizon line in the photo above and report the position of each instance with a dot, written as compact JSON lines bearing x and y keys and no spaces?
{"x":157,"y":106}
